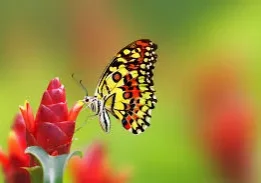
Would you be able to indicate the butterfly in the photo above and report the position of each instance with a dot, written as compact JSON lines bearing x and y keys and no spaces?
{"x":126,"y":88}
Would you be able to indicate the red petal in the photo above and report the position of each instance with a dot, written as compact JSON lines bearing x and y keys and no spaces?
{"x":96,"y":151}
{"x":76,"y":168}
{"x":46,"y":99}
{"x":4,"y":161}
{"x":53,"y":96}
{"x":58,"y":95}
{"x":19,"y":125}
{"x":27,"y":114}
{"x":67,"y":127}
{"x":15,"y":148}
{"x":54,"y":84}
{"x":54,"y":113}
{"x":94,"y":167}
{"x":90,"y":168}
{"x":20,"y":129}
{"x":60,"y":110}
{"x":55,"y":93}
{"x":52,"y":138}
{"x":18,"y":175}
{"x":30,"y":140}
{"x":74,"y":112}
{"x":94,"y":163}
{"x":54,"y":153}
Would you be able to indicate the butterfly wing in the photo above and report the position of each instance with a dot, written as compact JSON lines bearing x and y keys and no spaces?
{"x":127,"y":85}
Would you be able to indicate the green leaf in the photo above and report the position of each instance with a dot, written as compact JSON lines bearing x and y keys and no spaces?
{"x":36,"y":173}
{"x":53,"y":166}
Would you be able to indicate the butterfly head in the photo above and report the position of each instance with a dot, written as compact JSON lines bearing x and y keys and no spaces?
{"x":97,"y":107}
{"x":92,"y":103}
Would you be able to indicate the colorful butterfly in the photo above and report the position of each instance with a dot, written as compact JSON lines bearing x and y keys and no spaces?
{"x":125,"y":89}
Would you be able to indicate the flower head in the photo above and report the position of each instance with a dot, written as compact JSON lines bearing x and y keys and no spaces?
{"x":95,"y":168}
{"x":52,"y":129}
{"x":54,"y":124}
{"x":15,"y":159}
{"x":227,"y":122}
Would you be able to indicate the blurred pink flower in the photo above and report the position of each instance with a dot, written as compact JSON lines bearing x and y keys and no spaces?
{"x":15,"y":159}
{"x":226,"y":122}
{"x":95,"y":168}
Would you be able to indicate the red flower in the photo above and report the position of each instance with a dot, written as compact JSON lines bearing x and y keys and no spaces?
{"x":54,"y":125}
{"x":95,"y":168}
{"x":227,"y":123}
{"x":16,"y":158}
{"x":52,"y":129}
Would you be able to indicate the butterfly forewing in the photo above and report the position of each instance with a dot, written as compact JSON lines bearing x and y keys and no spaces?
{"x":127,"y":86}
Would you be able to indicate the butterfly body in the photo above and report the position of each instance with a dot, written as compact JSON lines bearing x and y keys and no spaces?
{"x":126,"y":88}
{"x":97,"y":106}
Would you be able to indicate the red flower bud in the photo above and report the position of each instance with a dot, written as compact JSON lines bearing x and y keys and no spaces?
{"x":54,"y":124}
{"x":52,"y":129}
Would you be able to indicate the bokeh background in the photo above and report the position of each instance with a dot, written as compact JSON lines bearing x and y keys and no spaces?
{"x":40,"y":40}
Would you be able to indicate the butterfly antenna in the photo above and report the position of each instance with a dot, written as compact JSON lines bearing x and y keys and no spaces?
{"x":80,"y":83}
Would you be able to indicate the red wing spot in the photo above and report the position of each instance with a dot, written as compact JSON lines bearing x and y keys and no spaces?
{"x":141,"y":58}
{"x":133,"y":67}
{"x":127,"y":126}
{"x":136,"y":93}
{"x":127,"y":95}
{"x":127,"y":122}
{"x":116,"y":76}
{"x":142,"y":43}
{"x":128,"y":119}
{"x":133,"y":82}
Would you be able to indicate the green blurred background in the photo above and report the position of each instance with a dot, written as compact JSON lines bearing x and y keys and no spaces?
{"x":40,"y":40}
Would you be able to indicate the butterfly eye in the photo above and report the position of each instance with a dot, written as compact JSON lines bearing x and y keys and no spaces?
{"x":86,"y":100}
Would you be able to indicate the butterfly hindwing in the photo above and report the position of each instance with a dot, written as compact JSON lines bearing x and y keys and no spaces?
{"x":127,"y":85}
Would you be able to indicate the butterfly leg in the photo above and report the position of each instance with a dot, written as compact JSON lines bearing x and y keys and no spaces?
{"x":85,"y":122}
